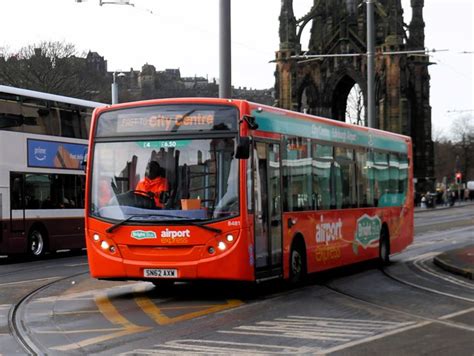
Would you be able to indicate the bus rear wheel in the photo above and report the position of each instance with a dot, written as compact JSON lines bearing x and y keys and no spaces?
{"x":384,"y":248}
{"x":36,"y":243}
{"x":297,"y":264}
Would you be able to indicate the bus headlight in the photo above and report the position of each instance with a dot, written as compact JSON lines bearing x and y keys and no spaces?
{"x":221,"y":245}
{"x":105,"y":245}
{"x":230,"y":238}
{"x":96,"y":237}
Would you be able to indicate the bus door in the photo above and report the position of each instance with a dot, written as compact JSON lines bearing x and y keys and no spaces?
{"x":267,"y":207}
{"x":17,"y":203}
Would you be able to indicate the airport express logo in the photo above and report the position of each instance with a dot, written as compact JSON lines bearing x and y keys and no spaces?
{"x":173,"y":234}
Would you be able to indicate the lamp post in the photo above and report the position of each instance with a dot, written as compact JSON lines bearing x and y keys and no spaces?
{"x":370,"y":64}
{"x":115,"y":86}
{"x":225,"y":86}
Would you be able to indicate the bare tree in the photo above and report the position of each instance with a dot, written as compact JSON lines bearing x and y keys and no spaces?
{"x":355,"y":110}
{"x":455,"y":152}
{"x":52,"y":67}
{"x":463,"y":133}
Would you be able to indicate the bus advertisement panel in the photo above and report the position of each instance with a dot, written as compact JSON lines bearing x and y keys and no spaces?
{"x":183,"y":189}
{"x":43,"y":139}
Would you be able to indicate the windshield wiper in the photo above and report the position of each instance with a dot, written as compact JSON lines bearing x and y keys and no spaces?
{"x":181,"y":119}
{"x":121,"y":222}
{"x":205,"y":227}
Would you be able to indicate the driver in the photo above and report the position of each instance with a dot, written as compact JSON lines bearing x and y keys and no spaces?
{"x":154,"y":182}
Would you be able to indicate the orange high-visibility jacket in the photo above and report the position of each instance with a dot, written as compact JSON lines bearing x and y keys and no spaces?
{"x":156,"y":186}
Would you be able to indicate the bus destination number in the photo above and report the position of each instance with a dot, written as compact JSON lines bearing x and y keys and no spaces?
{"x":160,"y":273}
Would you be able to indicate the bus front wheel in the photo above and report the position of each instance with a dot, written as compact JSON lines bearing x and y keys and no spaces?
{"x":297,"y":264}
{"x":36,"y":243}
{"x":163,"y":283}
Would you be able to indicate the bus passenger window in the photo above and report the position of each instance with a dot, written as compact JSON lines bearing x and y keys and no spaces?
{"x":322,"y":156}
{"x":16,"y":191}
{"x":297,"y":174}
{"x":365,"y":196}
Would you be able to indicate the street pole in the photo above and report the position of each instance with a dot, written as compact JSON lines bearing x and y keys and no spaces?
{"x":225,"y":88}
{"x":370,"y":64}
{"x":114,"y":90}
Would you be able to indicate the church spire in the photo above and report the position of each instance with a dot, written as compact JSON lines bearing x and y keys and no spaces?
{"x":417,"y":26}
{"x":287,"y":26}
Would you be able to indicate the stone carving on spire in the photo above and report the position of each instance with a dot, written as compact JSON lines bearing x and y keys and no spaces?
{"x":417,"y":26}
{"x":287,"y":26}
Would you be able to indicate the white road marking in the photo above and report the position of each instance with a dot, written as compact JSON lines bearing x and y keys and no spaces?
{"x":290,"y":335}
{"x":28,"y":281}
{"x":315,"y":328}
{"x":90,"y":294}
{"x":214,"y":347}
{"x":77,"y":264}
{"x":419,"y":263}
{"x":452,"y":315}
{"x":327,"y":334}
{"x":427,"y":255}
{"x":340,"y":320}
{"x":372,"y":338}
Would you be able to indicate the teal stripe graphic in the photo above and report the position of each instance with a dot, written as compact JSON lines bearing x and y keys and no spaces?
{"x":278,"y":123}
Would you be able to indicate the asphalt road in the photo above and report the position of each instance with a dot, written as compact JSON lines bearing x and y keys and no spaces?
{"x":411,"y":307}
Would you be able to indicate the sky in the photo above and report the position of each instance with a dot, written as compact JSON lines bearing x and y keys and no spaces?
{"x":184,"y":34}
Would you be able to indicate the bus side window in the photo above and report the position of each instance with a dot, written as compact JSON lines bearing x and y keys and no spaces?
{"x":364,"y":191}
{"x":297,"y":179}
{"x":322,"y":156}
{"x":16,"y":191}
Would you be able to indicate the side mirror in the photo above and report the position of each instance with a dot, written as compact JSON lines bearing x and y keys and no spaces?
{"x":243,"y":148}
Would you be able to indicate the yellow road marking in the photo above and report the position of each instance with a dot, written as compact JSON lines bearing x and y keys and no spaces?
{"x":111,"y":313}
{"x":108,"y":310}
{"x":150,"y":308}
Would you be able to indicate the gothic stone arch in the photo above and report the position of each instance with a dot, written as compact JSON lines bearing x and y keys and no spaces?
{"x":402,"y":82}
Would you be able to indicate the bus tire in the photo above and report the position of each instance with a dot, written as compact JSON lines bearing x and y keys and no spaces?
{"x":297,"y":262}
{"x":163,"y":283}
{"x":384,"y":247}
{"x":36,"y":242}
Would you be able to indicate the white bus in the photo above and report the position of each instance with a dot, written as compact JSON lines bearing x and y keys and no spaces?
{"x":43,"y":139}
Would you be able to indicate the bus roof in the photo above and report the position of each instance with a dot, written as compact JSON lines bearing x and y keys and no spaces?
{"x":285,"y":121}
{"x":47,"y":96}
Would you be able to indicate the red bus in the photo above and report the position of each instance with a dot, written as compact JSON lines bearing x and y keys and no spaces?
{"x":253,"y":192}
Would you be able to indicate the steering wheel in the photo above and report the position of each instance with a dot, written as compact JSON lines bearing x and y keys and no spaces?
{"x":150,"y":195}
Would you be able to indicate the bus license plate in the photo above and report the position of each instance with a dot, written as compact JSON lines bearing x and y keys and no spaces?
{"x":160,"y":273}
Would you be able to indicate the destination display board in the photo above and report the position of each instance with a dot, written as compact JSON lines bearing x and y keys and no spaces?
{"x":149,"y":120}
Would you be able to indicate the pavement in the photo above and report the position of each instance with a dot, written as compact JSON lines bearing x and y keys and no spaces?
{"x":460,"y":260}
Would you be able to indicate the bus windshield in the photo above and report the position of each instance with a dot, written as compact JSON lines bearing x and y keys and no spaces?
{"x":163,"y":180}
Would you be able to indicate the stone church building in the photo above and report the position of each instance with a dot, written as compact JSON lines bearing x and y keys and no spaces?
{"x":320,"y":84}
